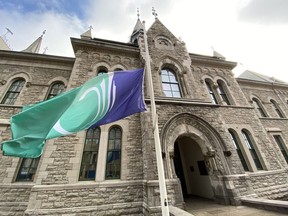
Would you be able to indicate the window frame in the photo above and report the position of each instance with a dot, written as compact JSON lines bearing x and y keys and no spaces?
{"x":10,"y":91}
{"x":30,"y":175}
{"x":211,"y":91}
{"x":51,"y":89}
{"x":171,"y":83}
{"x":114,"y":151}
{"x":259,"y":107}
{"x":235,"y":141}
{"x":250,"y":144}
{"x":282,"y":146}
{"x":91,"y":154}
{"x":222,"y":91}
{"x":277,"y":109}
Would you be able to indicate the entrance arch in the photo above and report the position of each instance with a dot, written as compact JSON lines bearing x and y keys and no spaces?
{"x":200,"y":150}
{"x":191,"y":169}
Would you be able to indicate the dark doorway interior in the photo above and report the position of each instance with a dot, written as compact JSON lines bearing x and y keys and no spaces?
{"x":179,"y":168}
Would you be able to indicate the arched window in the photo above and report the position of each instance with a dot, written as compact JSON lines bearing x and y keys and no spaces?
{"x":211,"y":92}
{"x":278,"y":139}
{"x":27,"y":169}
{"x":56,"y":88}
{"x":169,"y":83}
{"x":249,"y":144}
{"x":113,"y":162}
{"x":277,"y":109}
{"x":259,"y":107}
{"x":90,"y":155}
{"x":13,"y":92}
{"x":222,"y":93}
{"x":238,"y":149}
{"x":102,"y":70}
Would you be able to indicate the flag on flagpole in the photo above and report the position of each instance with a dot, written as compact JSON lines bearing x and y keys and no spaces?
{"x":101,"y":100}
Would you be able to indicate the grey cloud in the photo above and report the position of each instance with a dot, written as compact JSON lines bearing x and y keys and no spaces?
{"x":265,"y":12}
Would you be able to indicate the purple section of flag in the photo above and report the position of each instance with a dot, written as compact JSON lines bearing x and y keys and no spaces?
{"x":129,"y":96}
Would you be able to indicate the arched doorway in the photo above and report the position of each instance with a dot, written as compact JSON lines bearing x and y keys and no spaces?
{"x":190,"y":168}
{"x":195,"y":151}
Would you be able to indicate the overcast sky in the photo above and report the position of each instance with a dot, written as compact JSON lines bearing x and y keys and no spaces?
{"x":253,"y":33}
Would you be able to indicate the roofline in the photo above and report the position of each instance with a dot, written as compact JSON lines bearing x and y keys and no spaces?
{"x":212,"y":60}
{"x":241,"y":80}
{"x":35,"y":56}
{"x":106,"y":44}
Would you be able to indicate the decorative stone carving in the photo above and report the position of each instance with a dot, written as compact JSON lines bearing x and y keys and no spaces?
{"x":28,"y":84}
{"x":3,"y":82}
{"x":198,"y":130}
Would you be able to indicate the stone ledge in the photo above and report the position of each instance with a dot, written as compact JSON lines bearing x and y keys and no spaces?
{"x":273,"y":205}
{"x":86,"y":209}
{"x":174,"y":211}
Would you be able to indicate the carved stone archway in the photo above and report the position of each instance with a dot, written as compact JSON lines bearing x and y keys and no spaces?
{"x":211,"y":144}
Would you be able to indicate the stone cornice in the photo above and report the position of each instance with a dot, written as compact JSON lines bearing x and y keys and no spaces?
{"x":194,"y":102}
{"x":102,"y":44}
{"x":211,"y":61}
{"x":14,"y":55}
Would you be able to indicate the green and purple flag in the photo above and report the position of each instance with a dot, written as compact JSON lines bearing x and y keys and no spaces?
{"x":101,"y":100}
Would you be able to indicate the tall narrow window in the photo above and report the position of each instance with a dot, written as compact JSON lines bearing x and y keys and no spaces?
{"x":211,"y":92}
{"x":281,"y":145}
{"x":90,"y":155}
{"x":169,"y":83}
{"x":222,"y":93}
{"x":252,"y":150}
{"x":259,"y":108}
{"x":277,"y":109}
{"x":113,"y":163}
{"x":13,"y":92}
{"x":238,"y":149}
{"x":27,"y":169}
{"x":56,"y":89}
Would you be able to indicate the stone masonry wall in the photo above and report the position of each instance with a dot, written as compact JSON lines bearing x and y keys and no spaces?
{"x":89,"y":199}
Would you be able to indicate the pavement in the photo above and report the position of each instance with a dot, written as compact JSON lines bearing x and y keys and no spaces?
{"x":204,"y":207}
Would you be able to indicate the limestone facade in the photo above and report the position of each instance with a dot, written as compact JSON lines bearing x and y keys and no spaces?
{"x":195,"y":133}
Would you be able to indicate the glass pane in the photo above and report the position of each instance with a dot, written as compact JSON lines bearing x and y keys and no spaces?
{"x":175,"y":87}
{"x":176,"y":94}
{"x":112,"y":134}
{"x":164,"y":72}
{"x":172,"y":78}
{"x":168,"y":93}
{"x":27,"y":169}
{"x":118,"y":144}
{"x":166,"y":87}
{"x":118,"y":133}
{"x":165,"y":78}
{"x":110,"y":144}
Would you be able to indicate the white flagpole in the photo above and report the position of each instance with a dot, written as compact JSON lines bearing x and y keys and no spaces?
{"x":160,"y":168}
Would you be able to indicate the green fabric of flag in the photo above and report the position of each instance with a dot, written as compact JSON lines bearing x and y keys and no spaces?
{"x":101,"y":100}
{"x":27,"y":137}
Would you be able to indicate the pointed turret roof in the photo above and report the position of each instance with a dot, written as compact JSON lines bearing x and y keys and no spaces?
{"x":87,"y":34}
{"x":3,"y":44}
{"x":138,"y":29}
{"x":35,"y":46}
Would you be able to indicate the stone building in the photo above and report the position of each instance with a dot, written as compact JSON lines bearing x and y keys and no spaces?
{"x":223,"y":138}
